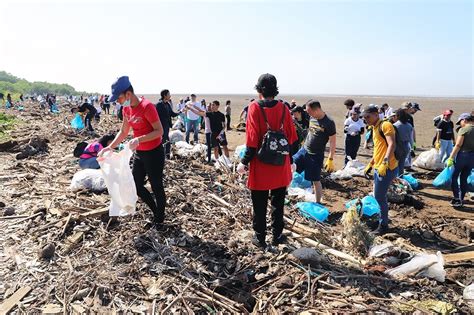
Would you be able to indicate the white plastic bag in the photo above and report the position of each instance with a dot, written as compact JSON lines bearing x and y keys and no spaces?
{"x":468,"y":295}
{"x":89,"y":179}
{"x":185,"y":149}
{"x":223,"y":162}
{"x":352,"y":168}
{"x":430,"y":160}
{"x":239,"y":151}
{"x":175,"y":136}
{"x":426,"y":265}
{"x":118,"y":177}
{"x":305,"y":194}
{"x":380,"y":250}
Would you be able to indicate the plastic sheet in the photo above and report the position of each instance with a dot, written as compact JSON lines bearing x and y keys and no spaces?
{"x":313,"y":210}
{"x":430,"y":160}
{"x":176,"y":136}
{"x":88,"y":179}
{"x":351,"y":169}
{"x":426,"y":265}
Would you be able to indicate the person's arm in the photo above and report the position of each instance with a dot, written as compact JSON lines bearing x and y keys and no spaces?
{"x":197,"y":111}
{"x":241,"y":114}
{"x":332,"y":146}
{"x":156,"y":133}
{"x":390,"y":146}
{"x":457,"y":147}
{"x":123,"y":133}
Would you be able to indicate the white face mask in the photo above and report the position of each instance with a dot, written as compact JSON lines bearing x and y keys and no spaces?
{"x":126,"y":103}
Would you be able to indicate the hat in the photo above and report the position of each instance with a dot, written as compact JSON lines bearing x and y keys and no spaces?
{"x":448,"y":112}
{"x":407,"y":105}
{"x":416,"y":106}
{"x":370,"y":109}
{"x":119,"y":86}
{"x":462,"y":117}
{"x":266,"y":81}
{"x":297,"y":109}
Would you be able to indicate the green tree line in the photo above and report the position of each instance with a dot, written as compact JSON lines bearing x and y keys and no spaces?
{"x":16,"y":86}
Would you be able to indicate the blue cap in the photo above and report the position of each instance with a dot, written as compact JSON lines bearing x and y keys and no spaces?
{"x":462,"y":117}
{"x":119,"y":86}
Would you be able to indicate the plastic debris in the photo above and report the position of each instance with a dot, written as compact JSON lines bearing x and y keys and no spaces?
{"x":430,"y":160}
{"x":88,"y":179}
{"x":313,"y":210}
{"x":427,"y":265}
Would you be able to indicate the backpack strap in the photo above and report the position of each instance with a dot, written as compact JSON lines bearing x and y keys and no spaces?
{"x":283,"y":116}
{"x":260,"y":104}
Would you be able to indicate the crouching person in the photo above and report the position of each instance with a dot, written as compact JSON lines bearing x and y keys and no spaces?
{"x":270,"y":139}
{"x":88,"y":158}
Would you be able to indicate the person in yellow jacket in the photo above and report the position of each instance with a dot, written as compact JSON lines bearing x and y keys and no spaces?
{"x":383,"y":162}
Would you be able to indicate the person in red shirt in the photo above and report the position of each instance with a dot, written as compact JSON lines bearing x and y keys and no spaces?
{"x":141,"y":116}
{"x":267,"y":178}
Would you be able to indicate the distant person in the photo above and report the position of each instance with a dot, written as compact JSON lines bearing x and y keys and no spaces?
{"x":349,"y":104}
{"x":353,"y":129}
{"x":228,"y":113}
{"x":267,"y":179}
{"x":192,"y":120}
{"x":387,"y":110}
{"x":217,"y":123}
{"x":90,"y":111}
{"x":141,"y":116}
{"x":208,"y":133}
{"x":301,"y":124}
{"x":201,"y":119}
{"x":9,"y":102}
{"x":405,"y":132}
{"x":21,"y":98}
{"x":436,"y":121}
{"x":293,"y":104}
{"x":462,"y":158}
{"x":165,"y":112}
{"x":310,"y":157}
{"x":88,"y":158}
{"x":106,"y":104}
{"x":383,"y":162}
{"x":445,"y":137}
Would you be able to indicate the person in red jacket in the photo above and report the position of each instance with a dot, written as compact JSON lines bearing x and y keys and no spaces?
{"x":140,"y":115}
{"x":265,"y":179}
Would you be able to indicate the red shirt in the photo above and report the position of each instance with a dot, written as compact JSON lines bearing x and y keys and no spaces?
{"x":264,"y":176}
{"x":141,"y":118}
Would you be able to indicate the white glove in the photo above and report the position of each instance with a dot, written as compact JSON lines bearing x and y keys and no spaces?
{"x":133,"y":144}
{"x":293,"y":168}
{"x":241,"y":168}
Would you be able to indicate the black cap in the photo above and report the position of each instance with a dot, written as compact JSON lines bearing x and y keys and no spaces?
{"x":297,"y":109}
{"x":370,"y":109}
{"x":266,"y":81}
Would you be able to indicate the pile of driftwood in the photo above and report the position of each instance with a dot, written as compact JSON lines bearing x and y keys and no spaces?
{"x":60,"y":252}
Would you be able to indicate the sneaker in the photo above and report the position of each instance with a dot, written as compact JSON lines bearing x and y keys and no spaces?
{"x":380,"y":230}
{"x":258,"y":243}
{"x":279,"y":240}
{"x":456,"y":203}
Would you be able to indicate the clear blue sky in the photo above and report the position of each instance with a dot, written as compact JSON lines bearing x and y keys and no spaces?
{"x":313,"y":47}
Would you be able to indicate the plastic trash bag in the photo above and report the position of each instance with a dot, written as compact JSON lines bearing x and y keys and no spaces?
{"x":470,"y":181}
{"x":178,"y":125}
{"x":380,"y":250}
{"x":88,"y":179}
{"x":430,"y":160}
{"x":414,"y":184}
{"x":175,"y":136}
{"x":468,"y":295}
{"x":185,"y":149}
{"x":298,"y":181}
{"x":352,"y":168}
{"x":223,"y":162}
{"x":240,"y":151}
{"x":115,"y":168}
{"x":425,"y":265}
{"x":77,"y":122}
{"x":305,"y":193}
{"x":313,"y":210}
{"x":444,"y":178}
{"x":370,"y":206}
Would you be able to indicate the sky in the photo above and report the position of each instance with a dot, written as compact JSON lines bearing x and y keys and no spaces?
{"x":355,"y":47}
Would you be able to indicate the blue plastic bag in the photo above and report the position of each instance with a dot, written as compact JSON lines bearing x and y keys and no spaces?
{"x":412,"y":181}
{"x":299,"y":181}
{"x":77,"y":122}
{"x":370,"y":206}
{"x":313,"y":210}
{"x":470,"y":181}
{"x":240,"y":151}
{"x":443,"y":180}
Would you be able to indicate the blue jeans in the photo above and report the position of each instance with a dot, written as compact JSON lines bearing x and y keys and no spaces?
{"x":192,"y":124}
{"x":89,"y":163}
{"x":381,"y":185}
{"x":462,"y":169}
{"x":446,"y":147}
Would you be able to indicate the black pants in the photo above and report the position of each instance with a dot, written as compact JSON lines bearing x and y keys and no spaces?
{"x":151,"y":163}
{"x":208,"y":144}
{"x":352,"y":145}
{"x":167,"y":144}
{"x":107,"y":109}
{"x":88,"y":120}
{"x":260,"y":201}
{"x":227,"y":118}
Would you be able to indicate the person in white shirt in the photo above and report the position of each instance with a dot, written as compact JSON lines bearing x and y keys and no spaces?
{"x":388,"y":111}
{"x":192,"y":119}
{"x":353,"y":128}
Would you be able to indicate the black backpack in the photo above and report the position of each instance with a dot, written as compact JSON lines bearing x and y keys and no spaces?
{"x":80,"y":147}
{"x":275,"y":146}
{"x":399,"y":149}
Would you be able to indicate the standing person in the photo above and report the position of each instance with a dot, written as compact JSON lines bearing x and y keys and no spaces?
{"x":405,"y":132}
{"x":383,"y":161}
{"x":228,"y":112}
{"x":88,"y":158}
{"x":310,"y":158}
{"x":106,"y":103}
{"x":445,"y":138}
{"x":201,"y":119}
{"x":301,"y":124}
{"x":349,"y":103}
{"x":192,"y":120}
{"x":9,"y":102}
{"x":165,"y":112}
{"x":217,"y":122}
{"x":353,"y":128}
{"x":462,"y":157}
{"x":387,"y":110}
{"x":293,"y":104}
{"x":208,"y":132}
{"x":90,"y":111}
{"x":141,"y":116}
{"x":411,"y":109}
{"x":265,"y":178}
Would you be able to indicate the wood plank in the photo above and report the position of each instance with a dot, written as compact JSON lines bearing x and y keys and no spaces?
{"x":13,"y":300}
{"x":459,"y":256}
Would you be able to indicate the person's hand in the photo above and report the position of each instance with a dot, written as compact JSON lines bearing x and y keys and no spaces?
{"x":437,"y":146}
{"x":414,"y":146}
{"x":382,"y":169}
{"x":293,"y":168}
{"x":241,"y":168}
{"x":133,"y":144}
{"x":368,"y":169}
{"x":329,"y":165}
{"x":450,"y":162}
{"x":104,"y":151}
